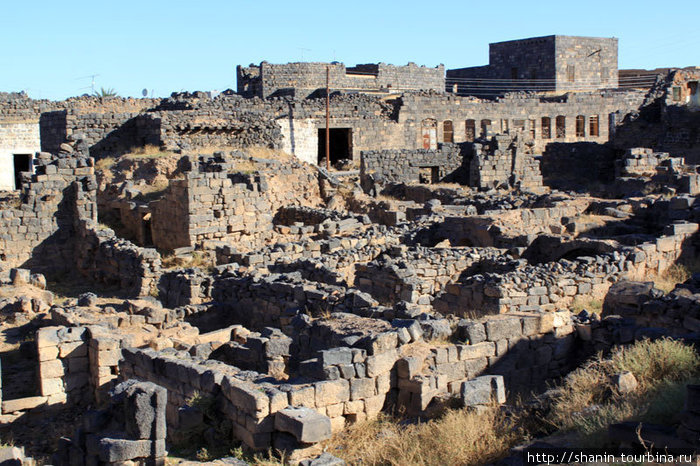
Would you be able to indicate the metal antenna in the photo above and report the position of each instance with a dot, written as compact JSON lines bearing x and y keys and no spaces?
{"x":302,"y":52}
{"x":92,"y":81}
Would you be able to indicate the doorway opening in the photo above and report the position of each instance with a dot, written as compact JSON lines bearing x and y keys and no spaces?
{"x":22,"y":163}
{"x":340,"y":145}
{"x":429,"y":175}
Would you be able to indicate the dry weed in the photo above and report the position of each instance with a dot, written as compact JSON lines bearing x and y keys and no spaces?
{"x":667,"y":281}
{"x":460,"y":437}
{"x":589,"y":303}
{"x":588,"y":402}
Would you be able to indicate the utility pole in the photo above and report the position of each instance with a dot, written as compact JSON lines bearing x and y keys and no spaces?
{"x":328,"y":117}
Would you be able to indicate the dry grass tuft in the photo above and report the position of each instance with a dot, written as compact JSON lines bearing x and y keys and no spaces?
{"x":105,"y":163}
{"x":588,"y":402}
{"x":196,"y":259}
{"x":589,"y":303}
{"x":459,"y":437}
{"x":148,"y":151}
{"x":667,"y":281}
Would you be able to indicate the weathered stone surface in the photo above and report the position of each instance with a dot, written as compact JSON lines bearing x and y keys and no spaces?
{"x":305,"y":424}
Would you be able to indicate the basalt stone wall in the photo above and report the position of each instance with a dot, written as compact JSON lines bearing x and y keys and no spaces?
{"x":303,"y":79}
{"x":415,"y":275}
{"x":504,"y":161}
{"x":358,"y":382}
{"x":217,"y":202}
{"x":76,"y":364}
{"x":552,"y":285}
{"x":213,"y":127}
{"x":574,"y":165}
{"x":39,"y":231}
{"x":115,"y":261}
{"x":677,"y":312}
{"x":413,"y":166}
{"x":107,"y":125}
{"x":500,"y":228}
{"x":54,"y":229}
{"x":469,"y":116}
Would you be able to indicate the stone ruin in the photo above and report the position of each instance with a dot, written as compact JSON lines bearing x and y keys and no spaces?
{"x":261,"y":300}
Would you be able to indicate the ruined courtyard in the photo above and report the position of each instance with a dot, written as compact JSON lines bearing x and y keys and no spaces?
{"x":190,"y":272}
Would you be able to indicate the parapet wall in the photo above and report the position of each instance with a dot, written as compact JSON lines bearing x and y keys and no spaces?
{"x":303,"y":79}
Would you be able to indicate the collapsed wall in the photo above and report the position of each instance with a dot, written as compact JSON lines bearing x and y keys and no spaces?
{"x":54,"y":229}
{"x":217,"y":202}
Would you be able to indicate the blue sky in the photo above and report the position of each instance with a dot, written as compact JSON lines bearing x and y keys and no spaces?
{"x":50,"y":48}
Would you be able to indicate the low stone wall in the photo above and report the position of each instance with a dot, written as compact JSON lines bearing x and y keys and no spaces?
{"x":526,"y":349}
{"x":552,"y":285}
{"x":677,"y":312}
{"x":114,"y":261}
{"x":416,"y":274}
{"x":358,"y":382}
{"x":500,"y":228}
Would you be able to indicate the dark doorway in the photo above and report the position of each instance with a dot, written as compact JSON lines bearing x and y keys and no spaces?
{"x":22,"y":163}
{"x":340,"y":145}
{"x":429,"y":175}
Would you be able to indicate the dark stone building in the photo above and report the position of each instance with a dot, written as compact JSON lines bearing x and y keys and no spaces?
{"x":540,"y":64}
{"x":305,"y":78}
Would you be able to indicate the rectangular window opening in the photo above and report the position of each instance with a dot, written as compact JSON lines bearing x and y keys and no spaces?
{"x":561,"y":127}
{"x":546,"y":128}
{"x":580,"y":126}
{"x":594,"y":127}
{"x":469,"y":130}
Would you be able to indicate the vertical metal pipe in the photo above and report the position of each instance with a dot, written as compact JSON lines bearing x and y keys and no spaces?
{"x":328,"y":117}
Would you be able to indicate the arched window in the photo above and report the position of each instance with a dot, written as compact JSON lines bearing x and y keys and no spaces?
{"x":561,"y":126}
{"x":469,"y":130}
{"x":448,"y":133}
{"x":429,"y":130}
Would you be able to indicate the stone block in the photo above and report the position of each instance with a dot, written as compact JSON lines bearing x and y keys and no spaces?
{"x":246,"y":396}
{"x":408,"y":367}
{"x":122,"y":450}
{"x":336,"y":356}
{"x":362,"y":388}
{"x":332,"y":391}
{"x":51,"y":369}
{"x":374,"y":405}
{"x":51,"y":386}
{"x":476,"y":351}
{"x":303,"y":396}
{"x":47,"y":336}
{"x":74,"y":349}
{"x":23,"y":404}
{"x":499,"y":329}
{"x":483,"y":390}
{"x":381,"y":363}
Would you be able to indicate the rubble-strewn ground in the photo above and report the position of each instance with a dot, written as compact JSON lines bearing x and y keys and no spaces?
{"x":273,"y":310}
